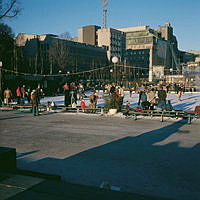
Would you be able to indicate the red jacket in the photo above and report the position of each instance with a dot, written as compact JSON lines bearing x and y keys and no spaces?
{"x":82,"y":104}
{"x":18,"y":92}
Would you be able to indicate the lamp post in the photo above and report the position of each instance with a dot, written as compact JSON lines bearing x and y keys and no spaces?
{"x":111,"y":74}
{"x":171,"y":72}
{"x":115,"y":60}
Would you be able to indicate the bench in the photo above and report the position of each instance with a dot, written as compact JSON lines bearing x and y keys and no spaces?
{"x":189,"y":115}
{"x":79,"y":109}
{"x":24,"y":107}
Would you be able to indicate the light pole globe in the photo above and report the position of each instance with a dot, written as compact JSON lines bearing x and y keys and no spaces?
{"x":115,"y":59}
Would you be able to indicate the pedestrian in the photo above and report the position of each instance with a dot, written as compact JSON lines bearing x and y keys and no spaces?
{"x":67,"y":100}
{"x":152,"y":98}
{"x":112,"y":89}
{"x":81,"y":91}
{"x":142,"y":97}
{"x":35,"y":102}
{"x":23,"y":94}
{"x":93,"y":100}
{"x":40,"y":93}
{"x":180,"y":93}
{"x":7,"y":96}
{"x":162,"y":95}
{"x":18,"y":95}
{"x":73,"y":93}
{"x":82,"y":104}
{"x":121,"y":96}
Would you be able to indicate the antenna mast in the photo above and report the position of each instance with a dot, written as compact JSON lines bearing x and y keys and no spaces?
{"x":104,"y":12}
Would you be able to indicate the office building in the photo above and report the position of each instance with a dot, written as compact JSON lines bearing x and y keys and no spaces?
{"x":87,"y":35}
{"x":162,"y":45}
{"x":113,"y":40}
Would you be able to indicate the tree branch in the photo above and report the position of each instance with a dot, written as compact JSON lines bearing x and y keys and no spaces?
{"x":11,"y":9}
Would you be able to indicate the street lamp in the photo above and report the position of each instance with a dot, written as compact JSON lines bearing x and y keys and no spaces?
{"x":115,"y":60}
{"x":111,"y":74}
{"x":171,"y":72}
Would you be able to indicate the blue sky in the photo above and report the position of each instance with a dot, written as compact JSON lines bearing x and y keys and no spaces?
{"x":58,"y":16}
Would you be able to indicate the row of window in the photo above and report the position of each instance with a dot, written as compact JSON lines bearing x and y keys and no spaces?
{"x":131,"y":41}
{"x":137,"y":34}
{"x":115,"y":36}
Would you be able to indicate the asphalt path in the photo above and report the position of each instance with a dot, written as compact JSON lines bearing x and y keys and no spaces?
{"x":143,"y":156}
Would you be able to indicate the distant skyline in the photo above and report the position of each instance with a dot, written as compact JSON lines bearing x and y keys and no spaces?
{"x":59,"y":16}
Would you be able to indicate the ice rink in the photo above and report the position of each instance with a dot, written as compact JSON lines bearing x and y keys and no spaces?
{"x":189,"y":100}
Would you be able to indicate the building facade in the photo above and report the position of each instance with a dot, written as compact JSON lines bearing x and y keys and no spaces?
{"x":53,"y":57}
{"x":88,"y":35}
{"x":162,"y":45}
{"x":136,"y":63}
{"x":46,"y":50}
{"x":113,"y":40}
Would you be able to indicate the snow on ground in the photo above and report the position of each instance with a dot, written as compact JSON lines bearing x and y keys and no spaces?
{"x":189,"y":100}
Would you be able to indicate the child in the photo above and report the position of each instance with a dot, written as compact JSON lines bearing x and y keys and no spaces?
{"x":82,"y":104}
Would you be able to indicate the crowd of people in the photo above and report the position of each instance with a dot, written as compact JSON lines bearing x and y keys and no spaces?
{"x":23,"y":94}
{"x":20,"y":95}
{"x":150,"y":97}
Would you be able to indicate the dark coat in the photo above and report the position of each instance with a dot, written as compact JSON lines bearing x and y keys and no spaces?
{"x":162,"y":95}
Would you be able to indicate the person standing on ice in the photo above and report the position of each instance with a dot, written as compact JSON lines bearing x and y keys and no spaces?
{"x":67,"y":100}
{"x":82,"y":104}
{"x":152,"y":98}
{"x":180,"y":93}
{"x":35,"y":102}
{"x":7,"y":96}
{"x":19,"y":95}
{"x":162,"y":95}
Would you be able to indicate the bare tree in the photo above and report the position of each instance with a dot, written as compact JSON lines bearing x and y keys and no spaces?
{"x":9,"y":8}
{"x":65,"y":36}
{"x":59,"y":55}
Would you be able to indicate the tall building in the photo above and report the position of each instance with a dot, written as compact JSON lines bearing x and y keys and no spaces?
{"x":46,"y":54}
{"x":136,"y":63}
{"x":87,"y":34}
{"x":161,"y":43}
{"x":113,"y":40}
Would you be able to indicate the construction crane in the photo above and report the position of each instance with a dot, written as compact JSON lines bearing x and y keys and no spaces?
{"x":104,"y":4}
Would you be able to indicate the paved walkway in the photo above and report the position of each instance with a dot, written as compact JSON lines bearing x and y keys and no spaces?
{"x":143,"y":156}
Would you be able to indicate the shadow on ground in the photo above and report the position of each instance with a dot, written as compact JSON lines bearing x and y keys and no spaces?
{"x":141,"y":164}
